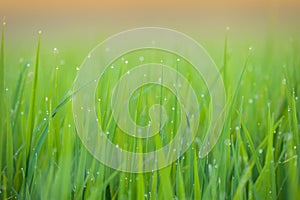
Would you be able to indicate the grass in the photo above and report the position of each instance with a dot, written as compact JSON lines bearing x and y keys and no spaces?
{"x":256,"y":157}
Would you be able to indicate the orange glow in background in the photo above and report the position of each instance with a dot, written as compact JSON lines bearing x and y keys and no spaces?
{"x":155,"y":11}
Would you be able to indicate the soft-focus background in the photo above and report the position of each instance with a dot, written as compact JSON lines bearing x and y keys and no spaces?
{"x":87,"y":17}
{"x":81,"y":24}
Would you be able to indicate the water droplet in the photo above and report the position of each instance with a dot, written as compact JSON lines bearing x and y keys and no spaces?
{"x":209,"y":168}
{"x":21,"y":60}
{"x":112,"y":67}
{"x":227,"y":142}
{"x":227,"y":28}
{"x":296,"y":98}
{"x":295,"y":147}
{"x":250,"y":101}
{"x":46,"y":99}
{"x":77,"y":68}
{"x":161,"y":61}
{"x":237,"y":128}
{"x":107,"y":133}
{"x":260,"y":151}
{"x":107,"y":49}
{"x":89,"y":56}
{"x":145,"y":75}
{"x":141,"y":58}
{"x":165,"y":99}
{"x":69,"y":125}
{"x":178,"y":59}
{"x":174,"y":150}
{"x":6,"y":89}
{"x":45,"y":119}
{"x":173,"y":108}
{"x":22,"y":113}
{"x":126,"y":62}
{"x":40,"y":32}
{"x":55,"y":50}
{"x":283,"y":81}
{"x":202,"y":95}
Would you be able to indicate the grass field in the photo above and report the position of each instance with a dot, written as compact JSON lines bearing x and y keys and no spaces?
{"x":256,"y":156}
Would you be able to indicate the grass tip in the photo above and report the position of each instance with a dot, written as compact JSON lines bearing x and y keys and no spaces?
{"x":3,"y":21}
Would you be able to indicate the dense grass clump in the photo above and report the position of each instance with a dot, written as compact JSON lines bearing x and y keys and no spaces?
{"x":256,"y":156}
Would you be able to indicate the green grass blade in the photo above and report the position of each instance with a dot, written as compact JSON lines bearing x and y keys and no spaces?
{"x":244,"y":179}
{"x":180,"y":191}
{"x":2,"y":101}
{"x":31,"y":115}
{"x":197,"y":186}
{"x":252,"y":148}
{"x":264,"y":184}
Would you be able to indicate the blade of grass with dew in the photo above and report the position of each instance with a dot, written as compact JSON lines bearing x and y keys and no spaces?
{"x":9,"y":155}
{"x":196,"y":185}
{"x":252,"y":148}
{"x":63,"y":174}
{"x":232,"y":103}
{"x":31,"y":114}
{"x":225,"y":62}
{"x":18,"y":97}
{"x":165,"y":189}
{"x":293,"y":145}
{"x":243,"y":180}
{"x":140,"y":177}
{"x":2,"y":99}
{"x":154,"y":185}
{"x":264,"y":184}
{"x":244,"y":158}
{"x":180,"y":191}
